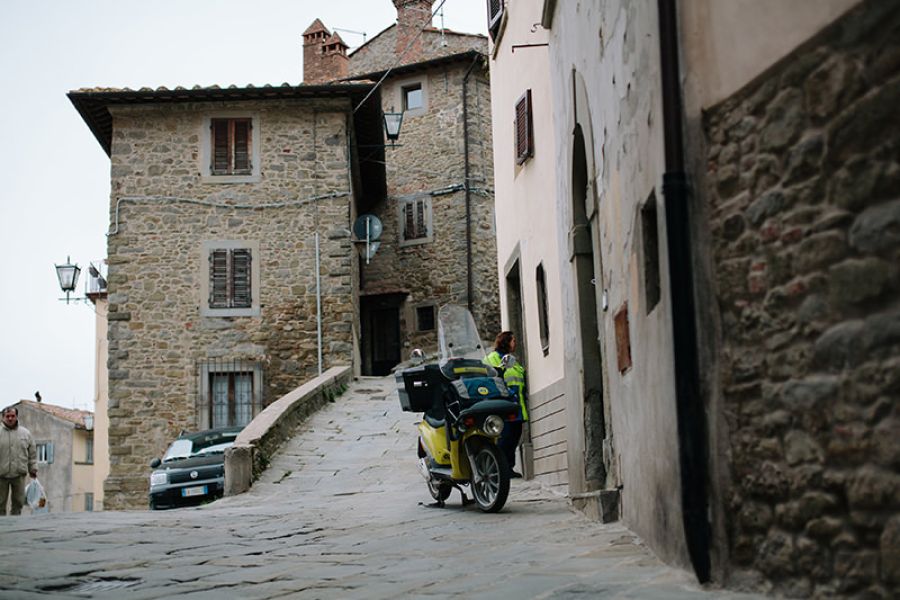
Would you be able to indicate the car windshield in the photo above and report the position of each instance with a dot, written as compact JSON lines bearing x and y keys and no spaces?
{"x":186,"y":448}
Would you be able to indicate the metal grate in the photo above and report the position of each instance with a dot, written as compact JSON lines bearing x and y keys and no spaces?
{"x":229,"y":392}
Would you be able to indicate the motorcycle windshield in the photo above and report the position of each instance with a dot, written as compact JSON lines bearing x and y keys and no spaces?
{"x":458,"y":336}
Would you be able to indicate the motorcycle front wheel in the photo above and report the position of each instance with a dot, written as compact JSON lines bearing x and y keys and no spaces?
{"x":490,"y":481}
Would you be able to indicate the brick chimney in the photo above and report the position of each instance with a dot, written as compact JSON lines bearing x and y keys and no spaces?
{"x":412,"y":16}
{"x":324,"y":55}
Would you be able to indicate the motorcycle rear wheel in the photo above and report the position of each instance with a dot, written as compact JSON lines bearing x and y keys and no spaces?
{"x":490,"y":484}
{"x":439,"y":490}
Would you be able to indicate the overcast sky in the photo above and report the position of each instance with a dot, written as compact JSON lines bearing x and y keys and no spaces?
{"x":54,"y":199}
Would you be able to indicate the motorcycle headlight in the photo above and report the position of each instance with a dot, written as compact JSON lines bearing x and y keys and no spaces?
{"x":493,"y":425}
{"x":159,"y":478}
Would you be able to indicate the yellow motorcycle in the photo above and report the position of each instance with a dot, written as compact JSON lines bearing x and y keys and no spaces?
{"x":465,"y":406}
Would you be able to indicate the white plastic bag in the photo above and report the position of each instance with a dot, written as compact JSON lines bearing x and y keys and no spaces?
{"x":34,"y":494}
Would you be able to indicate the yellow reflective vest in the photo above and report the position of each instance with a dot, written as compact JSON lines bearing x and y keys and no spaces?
{"x":514,"y":377}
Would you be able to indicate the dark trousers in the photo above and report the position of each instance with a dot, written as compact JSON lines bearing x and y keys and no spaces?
{"x":12,"y":489}
{"x":509,"y":440}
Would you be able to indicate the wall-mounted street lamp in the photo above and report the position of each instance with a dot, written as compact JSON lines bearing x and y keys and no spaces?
{"x":68,"y":278}
{"x":392,"y":123}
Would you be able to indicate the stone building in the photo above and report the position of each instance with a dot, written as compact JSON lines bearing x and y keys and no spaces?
{"x":225,"y":204}
{"x":697,"y":213}
{"x":64,"y":440}
{"x":438,"y":244}
{"x":233,"y":272}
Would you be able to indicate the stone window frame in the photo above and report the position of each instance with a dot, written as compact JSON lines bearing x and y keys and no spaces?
{"x":205,"y":154}
{"x":401,"y":220}
{"x":405,"y":84}
{"x":203,"y":274}
{"x":217,"y":366}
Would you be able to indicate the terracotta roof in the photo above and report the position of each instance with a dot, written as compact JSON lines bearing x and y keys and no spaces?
{"x":72,"y":415}
{"x":316,"y":26}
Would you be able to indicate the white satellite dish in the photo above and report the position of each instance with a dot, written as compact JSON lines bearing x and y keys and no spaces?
{"x":367,"y":227}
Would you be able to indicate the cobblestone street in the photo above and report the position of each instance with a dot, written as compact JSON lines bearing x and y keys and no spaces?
{"x":340,"y":513}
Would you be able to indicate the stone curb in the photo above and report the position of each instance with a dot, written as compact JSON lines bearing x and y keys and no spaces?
{"x":253,"y":449}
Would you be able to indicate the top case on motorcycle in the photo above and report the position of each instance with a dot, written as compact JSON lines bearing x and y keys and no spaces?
{"x":475,"y":389}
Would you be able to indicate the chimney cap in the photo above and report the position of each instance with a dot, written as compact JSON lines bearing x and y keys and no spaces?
{"x":316,"y":27}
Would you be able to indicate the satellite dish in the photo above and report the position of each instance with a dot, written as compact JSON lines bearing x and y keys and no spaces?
{"x":367,"y":224}
{"x":368,"y":251}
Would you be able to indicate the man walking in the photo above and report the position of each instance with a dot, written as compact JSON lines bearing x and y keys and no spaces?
{"x":18,"y":456}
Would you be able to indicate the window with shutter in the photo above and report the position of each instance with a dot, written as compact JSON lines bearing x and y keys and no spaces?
{"x":415,"y":219}
{"x":524,"y":129}
{"x":495,"y":14}
{"x":231,"y":146}
{"x":230,"y":276}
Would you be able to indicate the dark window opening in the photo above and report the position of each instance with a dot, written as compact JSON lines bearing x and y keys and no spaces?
{"x":89,"y":451}
{"x":543,"y":321}
{"x":413,"y":97}
{"x":425,"y":318}
{"x":524,"y":128}
{"x":89,"y":502}
{"x":230,"y":278}
{"x":230,"y":147}
{"x":650,"y":235}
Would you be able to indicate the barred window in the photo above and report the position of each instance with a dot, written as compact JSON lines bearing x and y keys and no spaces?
{"x":230,"y":392}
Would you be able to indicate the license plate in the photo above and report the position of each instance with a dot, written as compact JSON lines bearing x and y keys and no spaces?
{"x":199,"y":490}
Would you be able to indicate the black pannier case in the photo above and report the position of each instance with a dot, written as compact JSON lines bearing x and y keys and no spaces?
{"x":419,"y":387}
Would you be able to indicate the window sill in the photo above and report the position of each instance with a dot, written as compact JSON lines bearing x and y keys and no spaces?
{"x":256,"y":178}
{"x":205,"y":311}
{"x":89,"y":464}
{"x":415,"y":242}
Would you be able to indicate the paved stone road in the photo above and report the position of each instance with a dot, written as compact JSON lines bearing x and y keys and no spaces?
{"x":341,"y":513}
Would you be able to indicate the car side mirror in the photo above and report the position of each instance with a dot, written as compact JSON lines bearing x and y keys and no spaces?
{"x":508,"y":360}
{"x":417,"y":357}
{"x":155,"y":463}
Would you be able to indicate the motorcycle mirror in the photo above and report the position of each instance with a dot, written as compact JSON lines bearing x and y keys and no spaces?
{"x":508,"y":361}
{"x":417,"y":356}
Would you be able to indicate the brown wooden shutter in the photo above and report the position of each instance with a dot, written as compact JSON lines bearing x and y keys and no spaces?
{"x":219,"y":128}
{"x":524,"y":129}
{"x":241,"y":129}
{"x":421,"y":230}
{"x":409,"y":231}
{"x":495,"y":14}
{"x":241,"y":296}
{"x":218,"y":279}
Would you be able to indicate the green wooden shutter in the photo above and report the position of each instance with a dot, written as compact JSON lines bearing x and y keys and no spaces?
{"x":524,"y":128}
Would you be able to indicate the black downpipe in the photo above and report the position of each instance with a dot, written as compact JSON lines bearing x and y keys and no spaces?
{"x":465,"y":98}
{"x":692,"y":433}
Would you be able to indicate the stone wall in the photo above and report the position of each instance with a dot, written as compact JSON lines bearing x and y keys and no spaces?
{"x":157,"y":335}
{"x":379,"y":54}
{"x":804,"y":171}
{"x":432,"y":158}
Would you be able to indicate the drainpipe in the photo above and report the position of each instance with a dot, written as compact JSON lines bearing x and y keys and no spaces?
{"x":465,"y":99}
{"x":318,"y":303}
{"x":691,"y":417}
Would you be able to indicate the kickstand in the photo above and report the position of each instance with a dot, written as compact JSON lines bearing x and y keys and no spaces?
{"x":437,"y":504}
